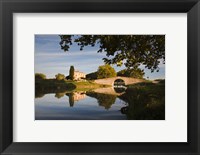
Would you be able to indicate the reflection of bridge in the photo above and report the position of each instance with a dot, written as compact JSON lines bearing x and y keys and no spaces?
{"x":110,"y":81}
{"x":108,"y":90}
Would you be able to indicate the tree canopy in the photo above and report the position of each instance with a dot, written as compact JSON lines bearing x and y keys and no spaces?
{"x":105,"y":71}
{"x":91,"y":76}
{"x":40,"y":76}
{"x":60,"y":76}
{"x":130,"y":50}
{"x":135,"y":73}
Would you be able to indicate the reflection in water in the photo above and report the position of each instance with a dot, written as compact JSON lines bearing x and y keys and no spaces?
{"x":138,"y":103}
{"x":71,"y":99}
{"x":144,"y":104}
{"x":124,"y":110}
{"x":104,"y":100}
{"x":59,"y":95}
{"x":66,"y":108}
{"x":119,"y":86}
{"x":75,"y":96}
{"x":120,"y":90}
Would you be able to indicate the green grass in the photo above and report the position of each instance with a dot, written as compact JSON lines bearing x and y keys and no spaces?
{"x":148,"y":86}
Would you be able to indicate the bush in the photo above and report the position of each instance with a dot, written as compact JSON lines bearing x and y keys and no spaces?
{"x":91,"y":76}
{"x":40,"y":76}
{"x":134,"y":73}
{"x":60,"y":76}
{"x":106,"y":71}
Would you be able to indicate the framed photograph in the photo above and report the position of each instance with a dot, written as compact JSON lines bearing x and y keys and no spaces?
{"x":100,"y":77}
{"x":91,"y":86}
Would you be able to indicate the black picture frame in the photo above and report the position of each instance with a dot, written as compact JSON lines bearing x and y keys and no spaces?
{"x":8,"y":7}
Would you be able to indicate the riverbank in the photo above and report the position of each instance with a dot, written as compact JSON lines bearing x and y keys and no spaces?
{"x":141,"y":101}
{"x":145,"y":101}
{"x":45,"y":86}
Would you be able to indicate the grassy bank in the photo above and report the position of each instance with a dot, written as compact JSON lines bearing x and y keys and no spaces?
{"x":55,"y":86}
{"x":149,"y":87}
{"x":145,"y":101}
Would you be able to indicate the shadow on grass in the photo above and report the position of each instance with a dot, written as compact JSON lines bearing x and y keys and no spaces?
{"x":146,"y":101}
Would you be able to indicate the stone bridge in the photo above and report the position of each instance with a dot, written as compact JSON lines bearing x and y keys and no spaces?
{"x":110,"y":81}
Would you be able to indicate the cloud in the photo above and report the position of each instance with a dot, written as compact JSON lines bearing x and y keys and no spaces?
{"x":50,"y":59}
{"x":68,"y":54}
{"x":46,"y":38}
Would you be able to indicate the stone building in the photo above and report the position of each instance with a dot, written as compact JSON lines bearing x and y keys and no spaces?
{"x":79,"y":75}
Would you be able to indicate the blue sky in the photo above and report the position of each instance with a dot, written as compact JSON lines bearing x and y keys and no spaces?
{"x":51,"y":60}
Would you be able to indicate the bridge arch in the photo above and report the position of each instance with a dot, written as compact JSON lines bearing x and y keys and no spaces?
{"x":118,"y":81}
{"x":110,"y":81}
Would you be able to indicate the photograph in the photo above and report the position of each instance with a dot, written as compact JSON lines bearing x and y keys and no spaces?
{"x":102,"y":77}
{"x":99,"y":77}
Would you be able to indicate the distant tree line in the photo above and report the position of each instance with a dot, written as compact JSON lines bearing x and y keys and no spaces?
{"x":106,"y":71}
{"x":40,"y":76}
{"x":134,"y":73}
{"x":60,"y":76}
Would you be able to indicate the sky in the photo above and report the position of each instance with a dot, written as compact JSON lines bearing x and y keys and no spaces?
{"x":51,"y":60}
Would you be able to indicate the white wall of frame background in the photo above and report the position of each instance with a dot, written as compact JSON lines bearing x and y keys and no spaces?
{"x":172,"y":129}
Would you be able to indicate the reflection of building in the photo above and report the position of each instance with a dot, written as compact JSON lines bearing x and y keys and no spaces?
{"x":78,"y":96}
{"x":75,"y":96}
{"x":79,"y":75}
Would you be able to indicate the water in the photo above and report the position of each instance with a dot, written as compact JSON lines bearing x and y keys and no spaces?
{"x":79,"y":106}
{"x":102,"y":104}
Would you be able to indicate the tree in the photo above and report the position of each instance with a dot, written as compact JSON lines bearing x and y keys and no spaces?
{"x":105,"y":71}
{"x":135,"y":73}
{"x":130,"y":50}
{"x":60,"y":76}
{"x":91,"y":76}
{"x":71,"y":73}
{"x":40,"y":76}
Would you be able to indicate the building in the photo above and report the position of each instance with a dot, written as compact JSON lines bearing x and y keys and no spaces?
{"x":79,"y":75}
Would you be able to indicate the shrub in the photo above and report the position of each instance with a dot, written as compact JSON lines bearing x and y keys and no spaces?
{"x":106,"y":71}
{"x":60,"y":76}
{"x":40,"y":76}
